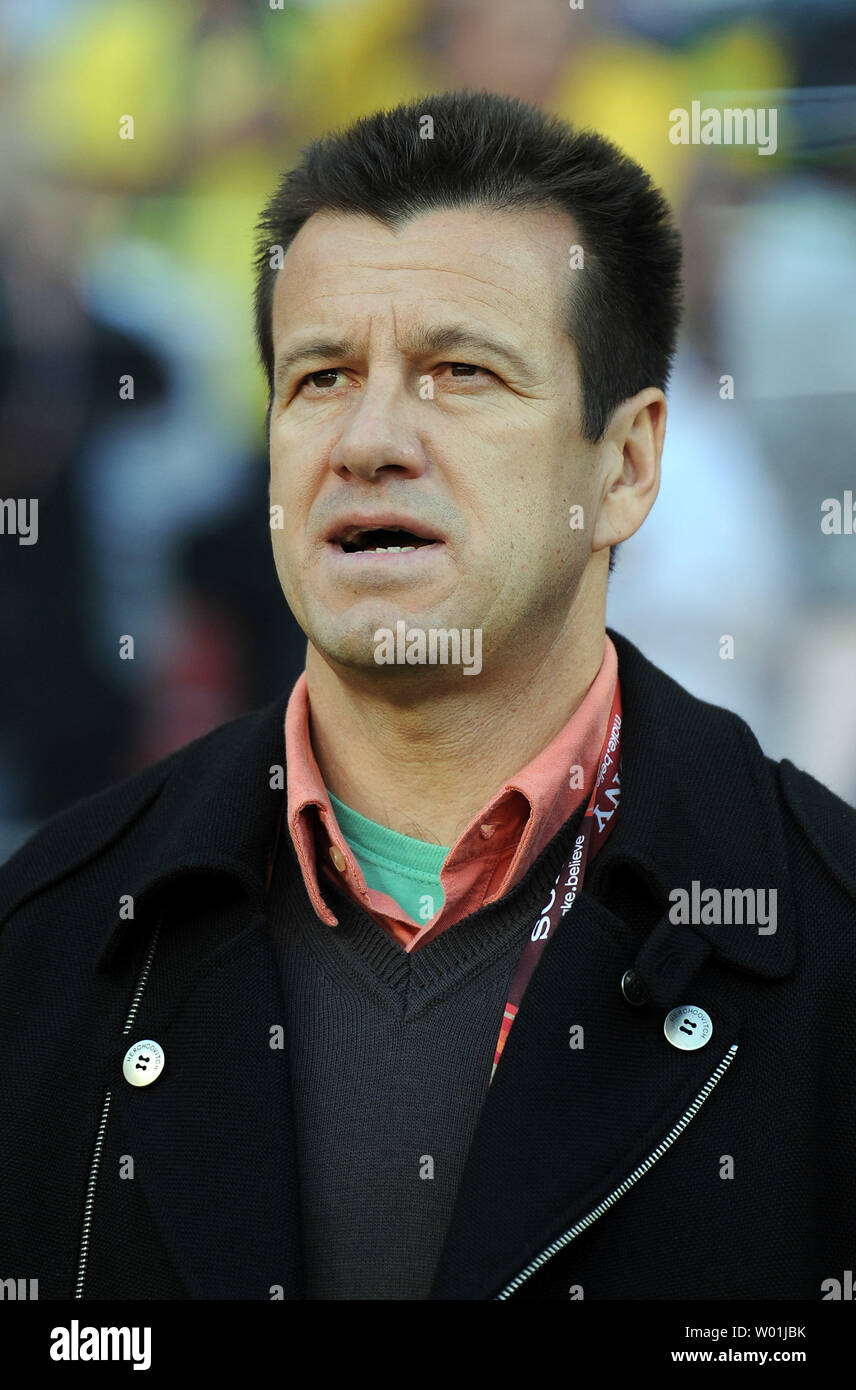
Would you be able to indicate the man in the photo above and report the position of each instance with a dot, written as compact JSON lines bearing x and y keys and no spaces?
{"x":488,"y":962}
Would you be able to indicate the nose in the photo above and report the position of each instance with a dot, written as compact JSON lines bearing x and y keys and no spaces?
{"x":378,"y":434}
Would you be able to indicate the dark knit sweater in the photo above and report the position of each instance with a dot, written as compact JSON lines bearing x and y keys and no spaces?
{"x":391,"y":1055}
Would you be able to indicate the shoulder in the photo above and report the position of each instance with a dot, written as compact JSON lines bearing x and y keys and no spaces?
{"x":678,"y":730}
{"x":91,"y":827}
{"x":826,"y":821}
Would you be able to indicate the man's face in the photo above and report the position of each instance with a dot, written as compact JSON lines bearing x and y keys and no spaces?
{"x":475,"y":444}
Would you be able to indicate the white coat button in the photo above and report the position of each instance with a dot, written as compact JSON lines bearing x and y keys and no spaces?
{"x":143,"y":1063}
{"x":688,"y":1028}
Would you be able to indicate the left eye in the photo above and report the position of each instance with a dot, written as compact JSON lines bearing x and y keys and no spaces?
{"x":466,"y":367}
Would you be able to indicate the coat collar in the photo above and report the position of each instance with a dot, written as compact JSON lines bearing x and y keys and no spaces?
{"x":217,"y":813}
{"x":699,"y":803}
{"x":219,"y":810}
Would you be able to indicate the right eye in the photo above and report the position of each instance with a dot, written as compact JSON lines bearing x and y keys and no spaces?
{"x":325,"y":372}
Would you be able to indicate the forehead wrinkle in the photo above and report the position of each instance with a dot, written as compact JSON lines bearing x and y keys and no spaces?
{"x":533,"y":232}
{"x":444,"y":299}
{"x":494,"y":307}
{"x":415,"y":269}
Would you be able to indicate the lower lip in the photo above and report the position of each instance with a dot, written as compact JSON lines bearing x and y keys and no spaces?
{"x":384,"y":559}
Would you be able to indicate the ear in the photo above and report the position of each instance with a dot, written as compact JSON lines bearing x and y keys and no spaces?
{"x":631,"y":449}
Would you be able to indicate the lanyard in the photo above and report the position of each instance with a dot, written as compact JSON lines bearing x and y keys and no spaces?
{"x":596,"y":826}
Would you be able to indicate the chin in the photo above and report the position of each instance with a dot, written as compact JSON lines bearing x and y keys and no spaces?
{"x":346,"y":640}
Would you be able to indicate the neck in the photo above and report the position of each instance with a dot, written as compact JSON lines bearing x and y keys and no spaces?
{"x":424,"y":761}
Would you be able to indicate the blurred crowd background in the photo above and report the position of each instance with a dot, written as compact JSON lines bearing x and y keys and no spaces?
{"x":133,"y":257}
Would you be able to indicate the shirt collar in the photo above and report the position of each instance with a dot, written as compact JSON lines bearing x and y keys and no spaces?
{"x":530,"y":806}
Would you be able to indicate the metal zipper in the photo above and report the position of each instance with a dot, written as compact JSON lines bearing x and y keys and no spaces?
{"x":619,"y":1191}
{"x":99,"y":1138}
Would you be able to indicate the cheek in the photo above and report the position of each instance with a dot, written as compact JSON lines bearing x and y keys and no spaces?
{"x":291,"y":473}
{"x":282,"y":453}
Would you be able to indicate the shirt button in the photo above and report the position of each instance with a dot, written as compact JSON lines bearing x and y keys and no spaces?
{"x":486,"y":831}
{"x":143,"y":1062}
{"x":338,"y":858}
{"x":688,"y":1028}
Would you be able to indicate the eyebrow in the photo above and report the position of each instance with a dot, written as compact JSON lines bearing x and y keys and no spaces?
{"x":425,"y":342}
{"x":311,"y":351}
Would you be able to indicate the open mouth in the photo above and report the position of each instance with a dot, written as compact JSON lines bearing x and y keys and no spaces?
{"x":386,"y":540}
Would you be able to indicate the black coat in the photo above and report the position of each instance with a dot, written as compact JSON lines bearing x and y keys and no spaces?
{"x":602,"y":1171}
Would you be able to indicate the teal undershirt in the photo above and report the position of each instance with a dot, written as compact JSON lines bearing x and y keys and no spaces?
{"x":407,"y":870}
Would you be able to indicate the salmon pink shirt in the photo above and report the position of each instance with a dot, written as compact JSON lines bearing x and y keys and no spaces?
{"x":494,"y":851}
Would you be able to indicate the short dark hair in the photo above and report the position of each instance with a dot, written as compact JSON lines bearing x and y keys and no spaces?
{"x":505,"y":153}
